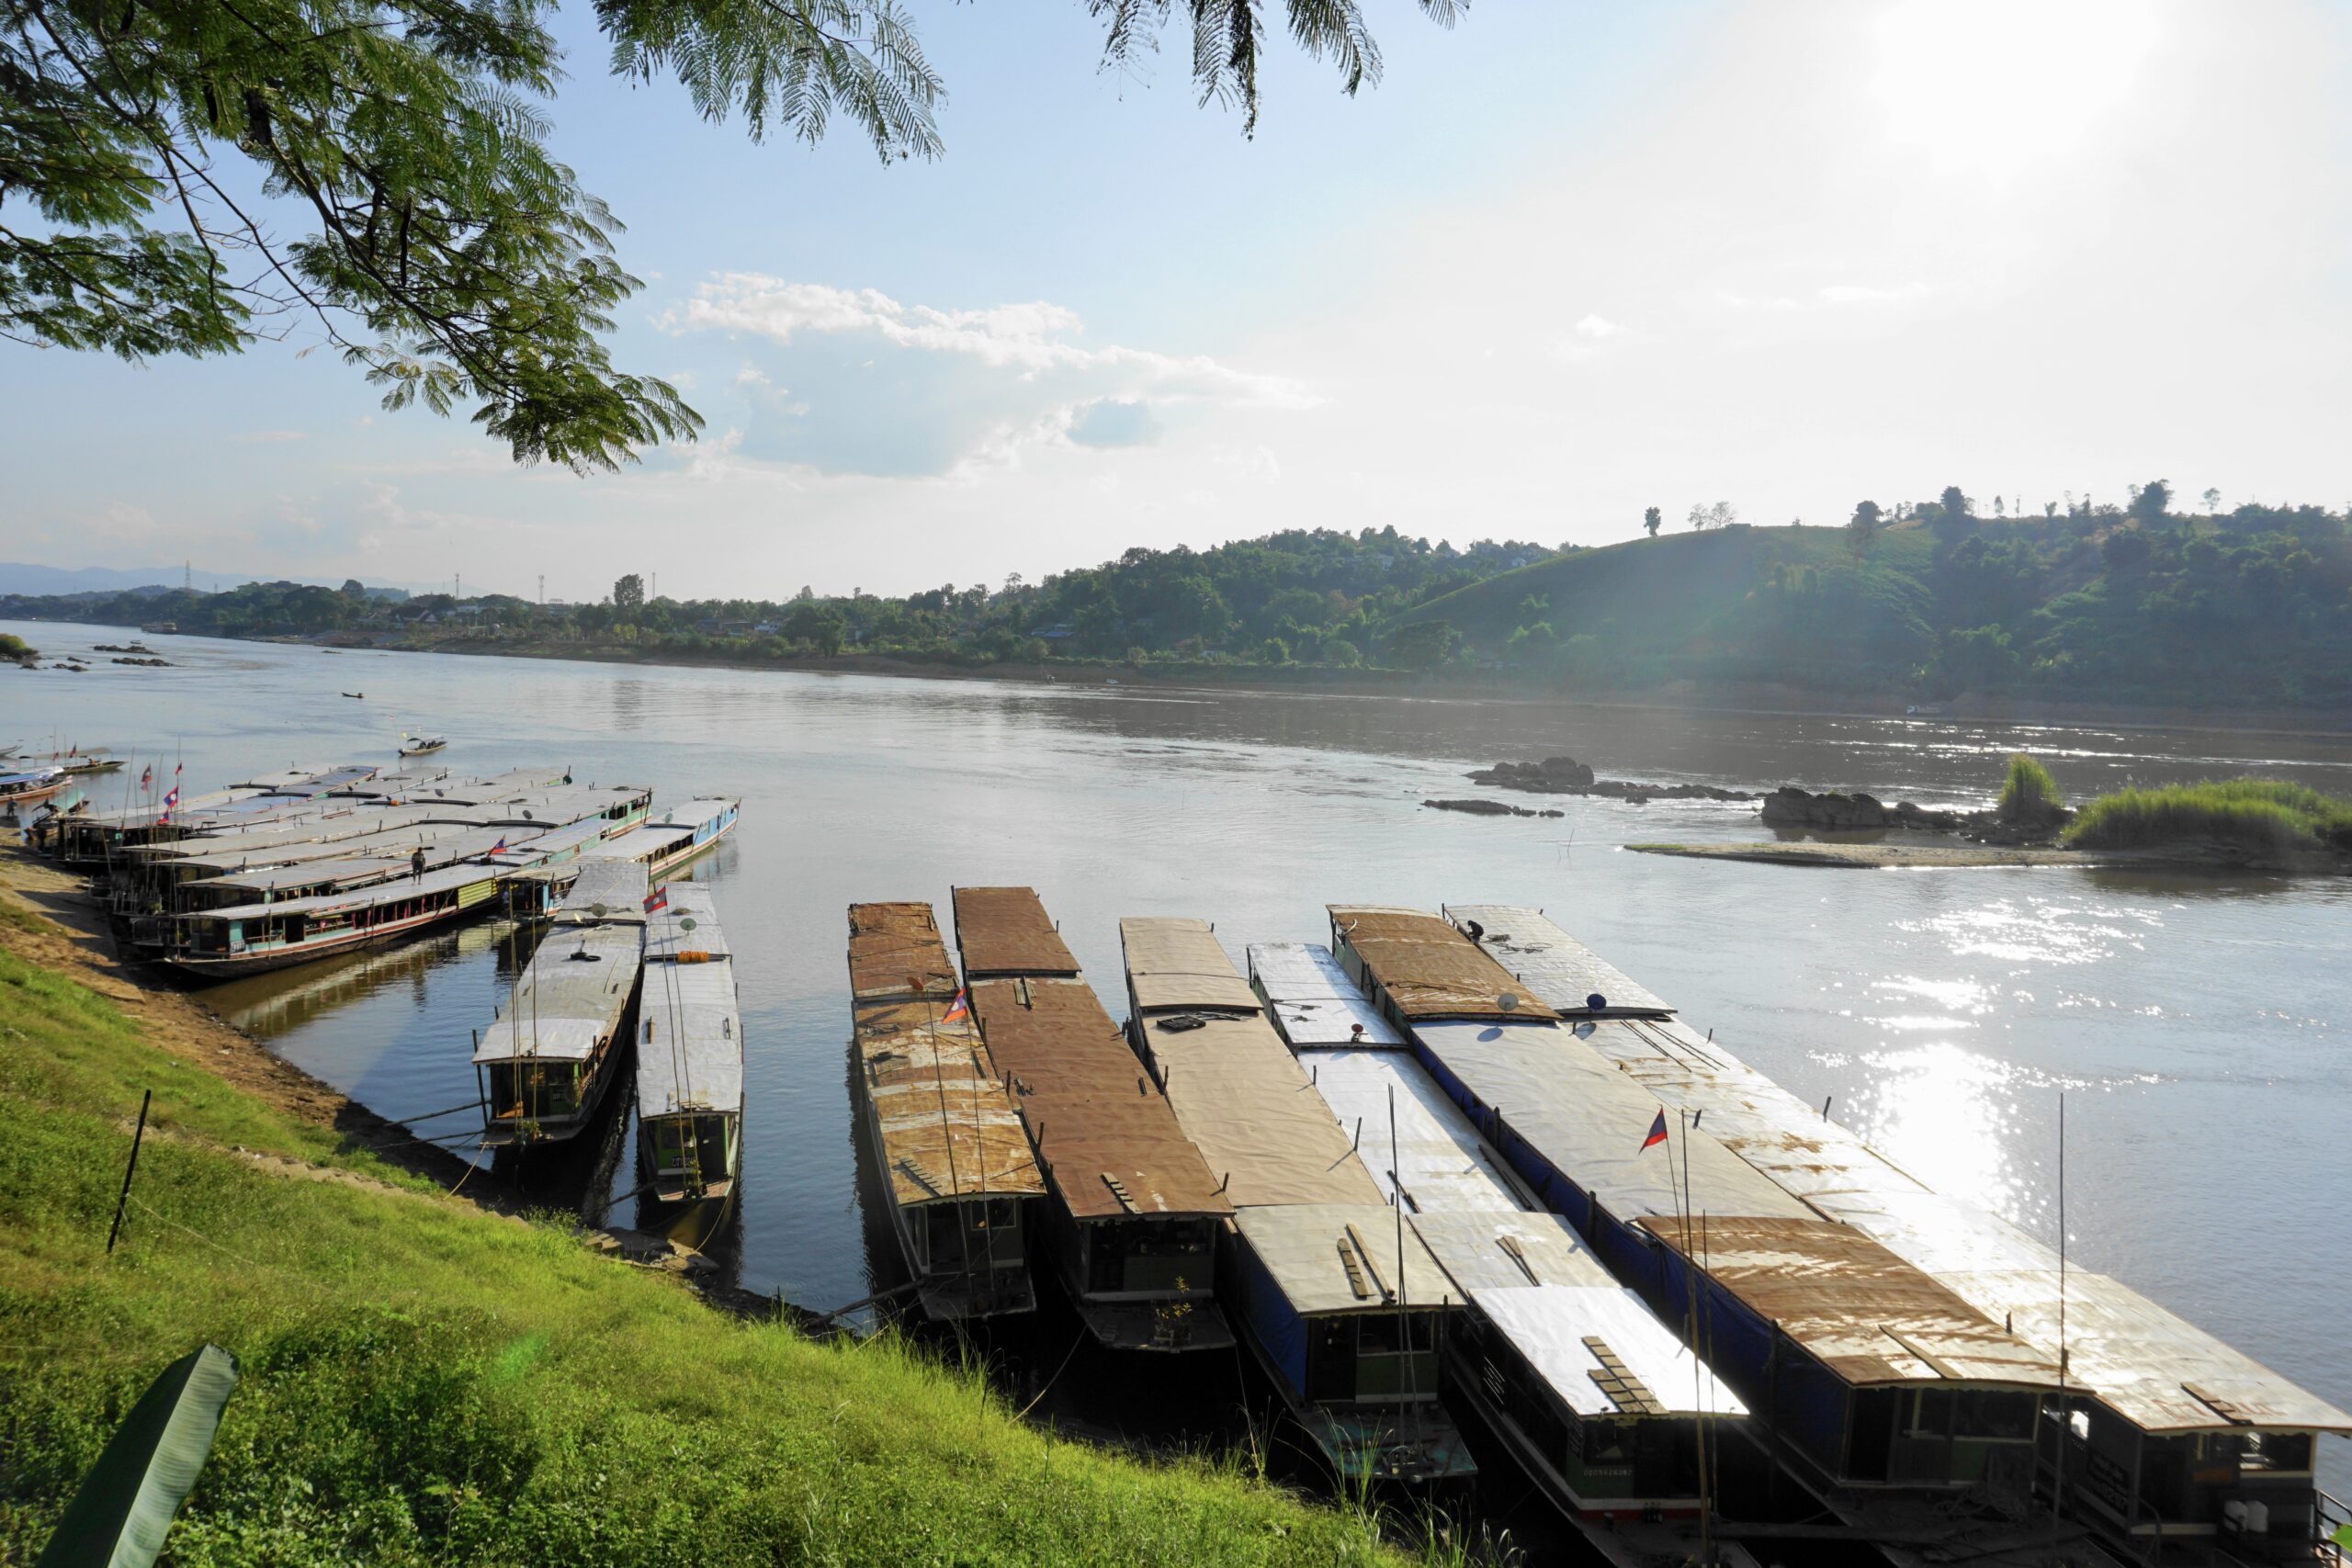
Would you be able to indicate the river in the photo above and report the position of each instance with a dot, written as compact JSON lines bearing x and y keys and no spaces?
{"x":2196,"y":1023}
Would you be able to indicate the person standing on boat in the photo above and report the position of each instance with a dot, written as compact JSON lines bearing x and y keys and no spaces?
{"x":416,"y":863}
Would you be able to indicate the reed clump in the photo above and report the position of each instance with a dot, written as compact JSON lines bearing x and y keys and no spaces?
{"x":2265,"y":816}
{"x":2028,"y":794}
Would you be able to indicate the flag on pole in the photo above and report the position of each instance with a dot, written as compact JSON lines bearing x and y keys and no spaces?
{"x":1657,"y":1133}
{"x":170,"y":801}
{"x":657,"y":900}
{"x":499,"y":848}
{"x":147,"y":776}
{"x":958,"y":1009}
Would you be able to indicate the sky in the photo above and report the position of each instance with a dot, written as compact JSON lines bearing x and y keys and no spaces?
{"x":1565,"y":261}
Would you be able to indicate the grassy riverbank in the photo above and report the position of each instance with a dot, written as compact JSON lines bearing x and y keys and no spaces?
{"x":427,"y":1382}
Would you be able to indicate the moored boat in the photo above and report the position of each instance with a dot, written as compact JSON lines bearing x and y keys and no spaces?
{"x":421,"y":745}
{"x":680,"y":833}
{"x":689,"y":1051}
{"x":946,"y":1144}
{"x":31,"y":787}
{"x":543,"y":1063}
{"x":1132,"y":1215}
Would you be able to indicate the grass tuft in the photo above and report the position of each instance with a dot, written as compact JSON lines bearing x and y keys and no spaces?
{"x":2028,"y":794}
{"x":2265,"y":816}
{"x":422,"y":1383}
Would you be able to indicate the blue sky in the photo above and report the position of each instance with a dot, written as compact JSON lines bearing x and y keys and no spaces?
{"x":1566,"y":261}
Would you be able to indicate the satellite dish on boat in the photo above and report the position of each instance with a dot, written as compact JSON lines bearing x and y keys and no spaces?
{"x":597,"y":909}
{"x":687,"y":924}
{"x":1507,"y":1001}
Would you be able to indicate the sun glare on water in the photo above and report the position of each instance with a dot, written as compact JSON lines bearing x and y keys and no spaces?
{"x":1996,"y":85}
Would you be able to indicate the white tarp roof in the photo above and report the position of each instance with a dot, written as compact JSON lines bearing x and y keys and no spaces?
{"x":569,"y":998}
{"x":692,"y":1057}
{"x":1589,"y":1120}
{"x":665,"y":933}
{"x":1563,"y":974}
{"x":1307,"y":1248}
{"x":1551,"y":1325}
{"x":1313,"y":1000}
{"x":1444,"y":1165}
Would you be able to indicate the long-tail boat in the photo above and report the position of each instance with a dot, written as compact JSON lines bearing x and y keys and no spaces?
{"x":689,"y":1051}
{"x":544,"y":1061}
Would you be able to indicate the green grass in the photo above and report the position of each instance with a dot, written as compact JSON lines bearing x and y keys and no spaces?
{"x":2028,"y":794}
{"x":425,"y":1383}
{"x":2262,"y":814}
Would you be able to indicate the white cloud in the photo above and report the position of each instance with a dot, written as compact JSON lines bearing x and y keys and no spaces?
{"x":1597,"y":328}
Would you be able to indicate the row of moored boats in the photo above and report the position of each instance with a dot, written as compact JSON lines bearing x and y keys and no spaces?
{"x":1454,"y":1170}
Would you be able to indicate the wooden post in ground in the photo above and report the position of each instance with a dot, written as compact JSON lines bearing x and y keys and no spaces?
{"x":131,"y":1169}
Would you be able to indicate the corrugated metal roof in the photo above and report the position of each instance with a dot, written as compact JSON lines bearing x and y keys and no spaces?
{"x":948,"y":1128}
{"x":1563,"y":974}
{"x":1005,"y":931}
{"x":1863,"y":1312}
{"x":691,"y":1059}
{"x":2135,"y":1356}
{"x":1588,"y":1120}
{"x":1176,"y":961}
{"x":1343,"y":1258}
{"x":442,"y":881}
{"x":698,"y":813}
{"x":1265,"y":1132}
{"x":666,"y":936}
{"x":1313,"y":1000}
{"x":569,"y":999}
{"x":1438,"y":1156}
{"x":896,"y":949}
{"x":1093,"y":1112}
{"x":609,"y":893}
{"x":1428,"y":969}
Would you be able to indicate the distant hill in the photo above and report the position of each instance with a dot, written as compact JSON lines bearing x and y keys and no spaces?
{"x":2252,"y":609}
{"x":30,"y":581}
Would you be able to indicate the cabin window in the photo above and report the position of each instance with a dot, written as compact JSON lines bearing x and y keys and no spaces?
{"x":1396,"y":1355}
{"x":1330,"y":1358}
{"x":2260,"y":1450}
{"x":1988,"y":1415}
{"x":1930,"y":1414}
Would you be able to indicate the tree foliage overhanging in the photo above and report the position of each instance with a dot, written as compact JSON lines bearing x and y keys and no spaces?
{"x":153,"y":154}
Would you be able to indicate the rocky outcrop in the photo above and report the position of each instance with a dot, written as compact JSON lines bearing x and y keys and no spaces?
{"x":1551,"y":774}
{"x":1565,"y":775}
{"x":1789,"y":806}
{"x":1489,"y":808}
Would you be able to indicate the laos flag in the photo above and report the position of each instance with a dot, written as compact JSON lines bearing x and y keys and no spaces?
{"x":958,"y":1009}
{"x":1657,"y":1134}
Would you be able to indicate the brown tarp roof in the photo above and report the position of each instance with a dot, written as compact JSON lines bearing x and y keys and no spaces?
{"x":1428,"y":969}
{"x":948,"y":1129}
{"x":1094,"y":1116}
{"x":1864,"y":1312}
{"x":1248,"y":1106}
{"x":1176,"y":961}
{"x":895,"y":950}
{"x":1005,"y":931}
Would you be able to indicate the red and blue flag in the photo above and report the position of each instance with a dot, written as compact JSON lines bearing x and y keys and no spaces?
{"x":657,"y":900}
{"x":1656,"y":1133}
{"x":958,"y":1009}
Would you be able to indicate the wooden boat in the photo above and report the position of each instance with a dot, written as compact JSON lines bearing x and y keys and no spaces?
{"x":420,"y":745}
{"x":681,"y":833}
{"x":250,"y":938}
{"x":544,"y":1062}
{"x":689,"y":1052}
{"x":1341,"y":1305}
{"x":31,"y":787}
{"x":1132,"y":1215}
{"x":946,"y":1144}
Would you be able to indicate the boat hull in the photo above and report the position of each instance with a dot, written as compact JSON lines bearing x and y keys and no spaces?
{"x":681,"y":857}
{"x":230,"y":966}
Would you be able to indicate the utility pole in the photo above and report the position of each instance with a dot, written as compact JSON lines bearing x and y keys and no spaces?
{"x":457,"y":585}
{"x":543,"y":588}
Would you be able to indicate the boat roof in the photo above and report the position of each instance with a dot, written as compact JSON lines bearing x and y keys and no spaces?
{"x":1174,"y":961}
{"x":606,"y":892}
{"x":1493,"y":1249}
{"x":554,"y":807}
{"x":294,"y":776}
{"x":697,"y":813}
{"x":948,"y":1128}
{"x":897,"y":950}
{"x":362,"y":862}
{"x":441,"y":880}
{"x":1589,"y":1120}
{"x":527,"y":851}
{"x":38,"y":775}
{"x":1563,"y":974}
{"x":328,"y":834}
{"x":1313,"y":1000}
{"x":2134,"y":1355}
{"x":1867,"y":1315}
{"x":1343,"y":1258}
{"x":1267,"y":1135}
{"x":691,"y":1059}
{"x":570,"y":999}
{"x":666,"y":937}
{"x":1005,"y":931}
{"x":1428,"y":969}
{"x":1439,"y":1159}
{"x":1106,"y":1137}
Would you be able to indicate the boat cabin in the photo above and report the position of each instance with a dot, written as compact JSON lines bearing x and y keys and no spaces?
{"x":689,"y":1052}
{"x":544,"y":1061}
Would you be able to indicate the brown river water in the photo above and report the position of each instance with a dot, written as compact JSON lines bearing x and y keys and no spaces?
{"x":2198,"y":1024}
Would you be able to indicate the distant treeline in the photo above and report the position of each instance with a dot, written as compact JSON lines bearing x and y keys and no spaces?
{"x":2250,"y":608}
